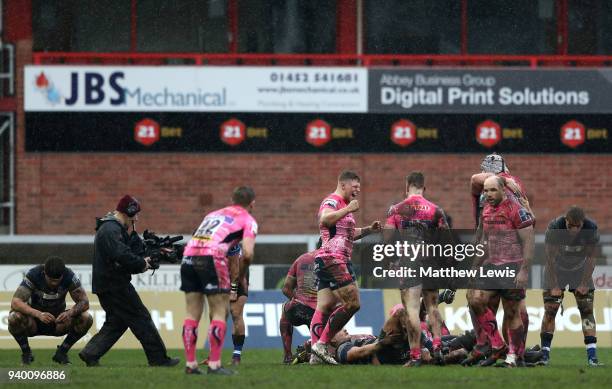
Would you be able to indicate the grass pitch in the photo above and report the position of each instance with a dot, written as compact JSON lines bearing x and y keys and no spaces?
{"x":126,"y":369}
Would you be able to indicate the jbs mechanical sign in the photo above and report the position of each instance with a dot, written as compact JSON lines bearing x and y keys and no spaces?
{"x":308,"y":109}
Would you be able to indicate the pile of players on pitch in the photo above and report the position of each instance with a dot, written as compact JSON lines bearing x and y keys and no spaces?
{"x":324,"y":295}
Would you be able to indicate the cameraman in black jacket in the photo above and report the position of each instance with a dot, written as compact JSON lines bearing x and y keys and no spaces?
{"x":114,"y":262}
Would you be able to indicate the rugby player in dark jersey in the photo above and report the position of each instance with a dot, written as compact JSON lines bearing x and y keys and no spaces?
{"x":38,"y":307}
{"x":570,"y":243}
{"x":238,"y":298}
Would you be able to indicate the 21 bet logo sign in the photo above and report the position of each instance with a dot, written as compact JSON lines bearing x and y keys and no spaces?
{"x":572,"y":134}
{"x":403,"y":132}
{"x":146,"y":132}
{"x":232,"y":132}
{"x":488,"y":133}
{"x":318,"y":133}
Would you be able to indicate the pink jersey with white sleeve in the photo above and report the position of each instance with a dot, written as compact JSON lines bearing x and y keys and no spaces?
{"x":220,"y":230}
{"x":338,"y":239}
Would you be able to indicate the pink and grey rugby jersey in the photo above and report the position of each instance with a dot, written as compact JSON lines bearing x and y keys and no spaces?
{"x":220,"y":230}
{"x":338,"y":239}
{"x":303,"y":270}
{"x":416,"y":210}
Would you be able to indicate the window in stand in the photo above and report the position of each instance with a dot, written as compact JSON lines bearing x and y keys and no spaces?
{"x":182,"y":26}
{"x":589,"y":27}
{"x":84,"y":25}
{"x":512,"y":27}
{"x":286,"y":26}
{"x":412,"y":27}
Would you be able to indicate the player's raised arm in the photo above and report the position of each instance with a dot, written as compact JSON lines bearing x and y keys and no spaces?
{"x":376,"y":226}
{"x":329,"y":217}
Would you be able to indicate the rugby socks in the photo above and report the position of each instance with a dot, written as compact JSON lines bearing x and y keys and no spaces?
{"x":22,"y":341}
{"x":238,"y":341}
{"x":481,"y":336}
{"x":216,"y":336}
{"x":525,"y":320}
{"x":436,"y":343}
{"x":516,"y":345}
{"x":70,"y":340}
{"x":591,"y":347}
{"x":286,"y":332}
{"x":415,"y":353}
{"x":317,"y":325}
{"x":190,"y":341}
{"x":546,"y":342}
{"x":488,"y":324}
{"x":337,"y":321}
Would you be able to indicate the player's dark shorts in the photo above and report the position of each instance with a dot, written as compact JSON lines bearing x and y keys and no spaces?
{"x":297,"y":313}
{"x":503,"y":286}
{"x":569,"y":279}
{"x":243,"y":286}
{"x":205,"y":274}
{"x":333,"y":275}
{"x":44,"y":328}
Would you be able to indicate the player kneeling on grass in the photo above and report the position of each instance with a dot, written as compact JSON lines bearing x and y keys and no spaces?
{"x":206,"y":271}
{"x":301,"y":289}
{"x":39,"y":308}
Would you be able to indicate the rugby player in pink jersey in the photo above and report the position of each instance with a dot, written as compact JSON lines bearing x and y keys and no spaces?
{"x":509,"y":237}
{"x":494,"y":164}
{"x":415,"y":213}
{"x":301,"y":289}
{"x":333,"y":267}
{"x":205,"y":270}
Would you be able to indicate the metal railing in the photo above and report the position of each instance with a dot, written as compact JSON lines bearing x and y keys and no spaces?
{"x":367,"y":60}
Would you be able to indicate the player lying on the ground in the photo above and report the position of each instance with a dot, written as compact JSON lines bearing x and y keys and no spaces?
{"x":301,"y":289}
{"x":39,"y":308}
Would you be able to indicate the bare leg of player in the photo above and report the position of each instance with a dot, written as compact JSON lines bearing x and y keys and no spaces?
{"x":411,"y":298}
{"x":238,"y":331}
{"x":194,"y":303}
{"x":286,"y":332}
{"x":430,"y":297}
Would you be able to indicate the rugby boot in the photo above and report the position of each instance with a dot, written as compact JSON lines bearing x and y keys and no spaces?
{"x":315,"y":360}
{"x":193,"y":370}
{"x":27,"y":358}
{"x":320,"y":350}
{"x":90,"y":362}
{"x":594,"y":362}
{"x":496,"y":354}
{"x":475,"y":357}
{"x":414,"y":363}
{"x":221,"y":371}
{"x":61,"y":357}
